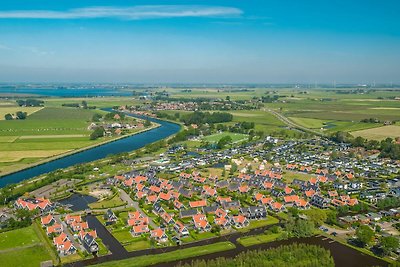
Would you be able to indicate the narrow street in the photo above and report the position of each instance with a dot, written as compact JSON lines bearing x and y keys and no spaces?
{"x":125,"y":197}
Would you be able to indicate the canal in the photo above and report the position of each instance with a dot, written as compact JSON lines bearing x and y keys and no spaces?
{"x":121,"y":145}
{"x":342,"y":254}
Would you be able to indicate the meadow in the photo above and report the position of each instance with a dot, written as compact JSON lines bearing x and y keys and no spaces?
{"x":22,"y":247}
{"x":379,"y":133}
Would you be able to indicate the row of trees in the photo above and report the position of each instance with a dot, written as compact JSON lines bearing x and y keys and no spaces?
{"x":30,"y":102}
{"x":290,"y":255}
{"x":388,"y":147}
{"x":19,"y":115}
{"x":199,"y":118}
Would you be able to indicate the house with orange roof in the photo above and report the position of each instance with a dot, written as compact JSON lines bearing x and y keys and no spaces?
{"x":151,"y":198}
{"x":337,"y":203}
{"x":349,"y":176}
{"x":291,"y":199}
{"x":258,"y":196}
{"x":155,"y":189}
{"x":220,"y":199}
{"x":208,"y":191}
{"x":66,"y":248}
{"x":78,"y":226}
{"x":333,"y":194}
{"x":201,"y":223}
{"x":310,"y":193}
{"x":288,"y":190}
{"x":41,"y":204}
{"x":59,"y":240}
{"x":352,"y":202}
{"x":268,"y":185}
{"x":322,"y":179}
{"x":223,"y":222}
{"x":302,"y":204}
{"x":47,"y":220}
{"x":54,"y":229}
{"x":178,"y":205}
{"x":167,"y":218}
{"x":136,"y":218}
{"x":266,"y":200}
{"x":165,"y":196}
{"x":140,"y":229}
{"x":244,"y":189}
{"x":69,"y":219}
{"x":181,"y":229}
{"x":198,"y":204}
{"x":239,"y":221}
{"x":159,"y":235}
{"x":129,"y":182}
{"x":276,"y":206}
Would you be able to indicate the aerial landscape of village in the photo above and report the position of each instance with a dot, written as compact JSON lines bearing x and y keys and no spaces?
{"x":212,"y":134}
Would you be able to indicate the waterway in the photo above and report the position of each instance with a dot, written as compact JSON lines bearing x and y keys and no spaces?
{"x":121,"y":145}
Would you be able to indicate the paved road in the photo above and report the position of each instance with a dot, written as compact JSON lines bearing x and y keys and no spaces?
{"x":292,"y":124}
{"x":125,"y":197}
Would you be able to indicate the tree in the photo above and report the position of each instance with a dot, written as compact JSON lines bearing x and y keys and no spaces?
{"x":21,"y":115}
{"x":98,"y":132}
{"x":84,"y":104}
{"x":365,"y":234}
{"x":8,"y":117}
{"x":147,"y":123}
{"x":224,"y":141}
{"x":317,"y":216}
{"x":389,"y":243}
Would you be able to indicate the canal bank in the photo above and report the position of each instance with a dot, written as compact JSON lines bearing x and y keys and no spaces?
{"x":342,"y":254}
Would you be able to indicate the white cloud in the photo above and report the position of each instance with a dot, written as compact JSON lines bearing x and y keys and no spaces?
{"x":128,"y":13}
{"x":37,"y":51}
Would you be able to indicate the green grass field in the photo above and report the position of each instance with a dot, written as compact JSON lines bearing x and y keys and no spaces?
{"x":22,"y":247}
{"x":258,"y":239}
{"x":379,"y":133}
{"x":236,"y":137}
{"x":180,"y":254}
{"x":109,"y":203}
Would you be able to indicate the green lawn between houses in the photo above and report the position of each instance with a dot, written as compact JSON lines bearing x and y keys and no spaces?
{"x":258,"y":239}
{"x":171,"y":256}
{"x":22,"y":247}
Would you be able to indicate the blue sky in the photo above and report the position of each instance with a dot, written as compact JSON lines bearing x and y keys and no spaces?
{"x":258,"y":41}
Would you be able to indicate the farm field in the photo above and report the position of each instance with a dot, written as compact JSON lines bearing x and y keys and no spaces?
{"x":22,"y":247}
{"x":12,"y":109}
{"x":48,"y":132}
{"x":379,"y":133}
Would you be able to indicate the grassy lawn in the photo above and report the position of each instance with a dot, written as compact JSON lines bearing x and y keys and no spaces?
{"x":109,"y":203}
{"x":17,"y":238}
{"x":171,"y":256}
{"x":236,"y":137}
{"x":258,"y":239}
{"x":289,"y":176}
{"x":31,"y":256}
{"x":123,"y":236}
{"x":308,"y":122}
{"x":22,"y":247}
{"x":260,"y":223}
{"x":200,"y":236}
{"x":138,"y":245}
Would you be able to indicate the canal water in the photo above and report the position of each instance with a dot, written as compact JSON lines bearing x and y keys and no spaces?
{"x":121,"y":145}
{"x":78,"y":202}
